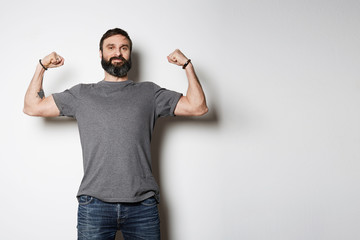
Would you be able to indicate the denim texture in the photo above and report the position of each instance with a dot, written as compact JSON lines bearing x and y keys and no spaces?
{"x":98,"y":220}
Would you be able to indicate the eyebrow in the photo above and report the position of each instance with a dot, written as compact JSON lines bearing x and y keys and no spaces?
{"x":112,"y":44}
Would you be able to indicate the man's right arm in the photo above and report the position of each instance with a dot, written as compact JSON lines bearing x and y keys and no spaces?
{"x":35,"y":103}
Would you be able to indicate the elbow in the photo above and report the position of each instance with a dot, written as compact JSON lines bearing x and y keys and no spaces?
{"x":203,"y":111}
{"x":30,"y":111}
{"x":200,"y":111}
{"x":28,"y":108}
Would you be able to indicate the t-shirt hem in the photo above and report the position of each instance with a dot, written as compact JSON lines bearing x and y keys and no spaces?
{"x":122,"y":200}
{"x":174,"y":104}
{"x":56,"y":100}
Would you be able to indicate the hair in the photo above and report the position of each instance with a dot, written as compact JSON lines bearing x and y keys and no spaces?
{"x":112,"y":32}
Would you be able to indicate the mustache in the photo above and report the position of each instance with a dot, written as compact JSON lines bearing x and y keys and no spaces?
{"x":118,"y":58}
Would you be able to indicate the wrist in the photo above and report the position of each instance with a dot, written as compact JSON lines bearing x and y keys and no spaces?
{"x":186,"y":63}
{"x":42,"y":65}
{"x":40,"y":68}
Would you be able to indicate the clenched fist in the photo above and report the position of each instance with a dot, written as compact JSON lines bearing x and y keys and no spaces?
{"x":53,"y":60}
{"x":177,"y":57}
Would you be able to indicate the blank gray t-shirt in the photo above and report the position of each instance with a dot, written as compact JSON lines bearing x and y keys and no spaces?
{"x":116,"y":121}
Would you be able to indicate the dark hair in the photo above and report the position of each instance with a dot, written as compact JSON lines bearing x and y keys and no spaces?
{"x":112,"y":32}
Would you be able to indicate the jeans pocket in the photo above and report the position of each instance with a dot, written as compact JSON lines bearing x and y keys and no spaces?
{"x":149,"y":202}
{"x":84,"y":199}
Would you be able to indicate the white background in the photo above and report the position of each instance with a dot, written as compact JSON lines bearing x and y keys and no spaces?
{"x":276,"y":158}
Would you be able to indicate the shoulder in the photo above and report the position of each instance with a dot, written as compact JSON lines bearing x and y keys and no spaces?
{"x":150,"y":86}
{"x":80,"y":89}
{"x":147,"y":86}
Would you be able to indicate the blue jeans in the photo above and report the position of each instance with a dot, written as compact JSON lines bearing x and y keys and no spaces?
{"x":98,"y":220}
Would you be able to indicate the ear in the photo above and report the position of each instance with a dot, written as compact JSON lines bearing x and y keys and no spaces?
{"x":100,"y":54}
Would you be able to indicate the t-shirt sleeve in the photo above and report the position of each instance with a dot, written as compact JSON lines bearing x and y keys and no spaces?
{"x":68,"y":101}
{"x":165,"y":101}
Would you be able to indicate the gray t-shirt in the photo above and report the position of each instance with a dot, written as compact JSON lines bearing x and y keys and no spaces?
{"x":116,"y":121}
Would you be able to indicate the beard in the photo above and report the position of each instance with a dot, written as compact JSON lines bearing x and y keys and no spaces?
{"x":117,"y":70}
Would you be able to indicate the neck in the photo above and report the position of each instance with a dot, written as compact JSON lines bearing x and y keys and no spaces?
{"x":111,"y":78}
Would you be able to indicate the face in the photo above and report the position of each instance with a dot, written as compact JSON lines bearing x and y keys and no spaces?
{"x":116,"y":56}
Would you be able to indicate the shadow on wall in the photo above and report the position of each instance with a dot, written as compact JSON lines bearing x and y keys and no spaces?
{"x":134,"y":73}
{"x":162,"y":126}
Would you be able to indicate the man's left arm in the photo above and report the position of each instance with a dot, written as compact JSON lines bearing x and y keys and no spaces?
{"x":194,"y":103}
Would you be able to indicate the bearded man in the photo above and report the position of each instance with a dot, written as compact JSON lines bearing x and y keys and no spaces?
{"x":116,"y":118}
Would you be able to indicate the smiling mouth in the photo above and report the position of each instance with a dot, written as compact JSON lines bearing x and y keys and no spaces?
{"x":117,"y":60}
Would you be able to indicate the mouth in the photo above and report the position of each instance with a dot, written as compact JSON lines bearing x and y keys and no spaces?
{"x":117,"y":60}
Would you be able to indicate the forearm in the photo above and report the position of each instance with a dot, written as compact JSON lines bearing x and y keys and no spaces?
{"x":194,"y":103}
{"x":195,"y":94}
{"x":35,"y":103}
{"x":32,"y":96}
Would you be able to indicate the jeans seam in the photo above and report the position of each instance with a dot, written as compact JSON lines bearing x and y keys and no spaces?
{"x":149,"y":204}
{"x":85,"y":203}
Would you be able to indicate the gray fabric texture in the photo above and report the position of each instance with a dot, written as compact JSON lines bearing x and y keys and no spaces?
{"x":116,"y":121}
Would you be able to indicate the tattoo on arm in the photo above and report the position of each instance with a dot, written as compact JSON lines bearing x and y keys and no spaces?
{"x":41,"y":93}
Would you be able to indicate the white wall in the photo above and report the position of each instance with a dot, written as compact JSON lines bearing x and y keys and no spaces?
{"x":276,"y":158}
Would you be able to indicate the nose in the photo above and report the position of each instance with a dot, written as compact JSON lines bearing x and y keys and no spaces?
{"x":118,"y":52}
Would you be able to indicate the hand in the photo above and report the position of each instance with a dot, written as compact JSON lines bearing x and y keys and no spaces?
{"x":177,"y":57}
{"x":53,"y":60}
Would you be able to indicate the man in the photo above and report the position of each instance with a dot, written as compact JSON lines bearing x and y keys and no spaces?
{"x":116,"y":117}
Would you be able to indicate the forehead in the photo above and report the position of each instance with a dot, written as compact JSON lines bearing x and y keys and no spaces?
{"x":116,"y":40}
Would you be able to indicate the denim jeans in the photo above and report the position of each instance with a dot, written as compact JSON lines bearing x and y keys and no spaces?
{"x":98,"y":220}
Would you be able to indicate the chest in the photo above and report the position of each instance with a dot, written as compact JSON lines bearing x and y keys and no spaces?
{"x":116,"y":109}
